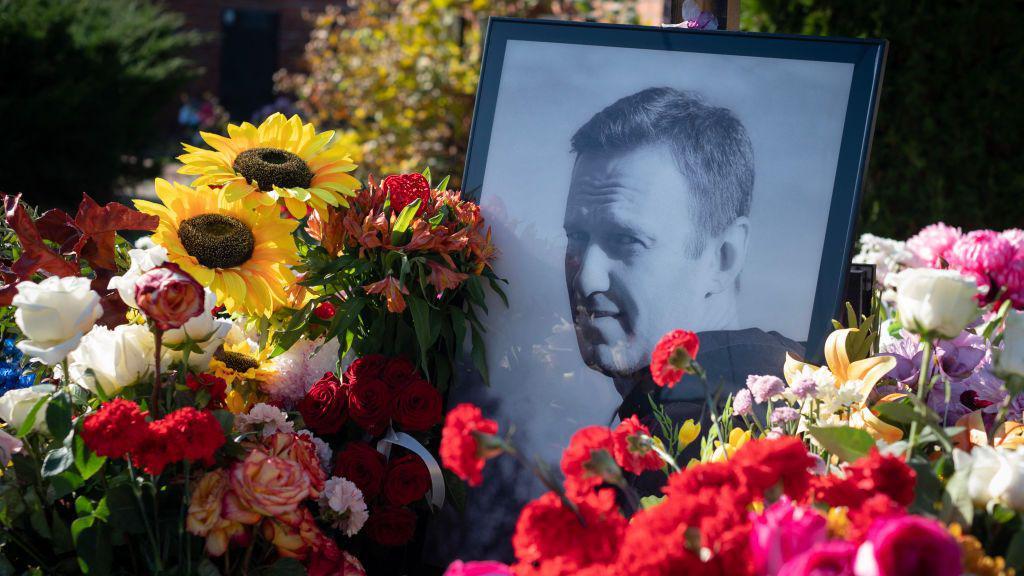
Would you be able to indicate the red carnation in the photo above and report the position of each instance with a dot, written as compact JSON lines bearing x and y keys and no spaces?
{"x":324,"y":311}
{"x":418,"y":407}
{"x":766,"y":464}
{"x":632,"y":447}
{"x":550,"y":536}
{"x":186,"y":433}
{"x":362,"y":465}
{"x":873,"y":474}
{"x":161,"y":445}
{"x":583,"y":461}
{"x":406,"y":480}
{"x":323,"y":408}
{"x":862,"y":516}
{"x":370,"y":404}
{"x":115,"y":429}
{"x":461,"y":450}
{"x":673,"y":357}
{"x":215,"y":386}
{"x":404,"y":189}
{"x":391,"y":525}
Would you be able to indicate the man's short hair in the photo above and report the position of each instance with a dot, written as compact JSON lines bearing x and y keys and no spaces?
{"x":709,"y":143}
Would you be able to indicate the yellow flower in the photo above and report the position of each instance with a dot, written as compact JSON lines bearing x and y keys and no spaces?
{"x":206,"y":513}
{"x":975,"y":560}
{"x":688,"y":432}
{"x":242,"y":254}
{"x":866,"y":372}
{"x":282,"y":159}
{"x":242,"y":361}
{"x":737,"y":438}
{"x":838,"y":522}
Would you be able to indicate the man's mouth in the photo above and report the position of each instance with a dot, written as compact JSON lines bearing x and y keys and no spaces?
{"x":595,"y":314}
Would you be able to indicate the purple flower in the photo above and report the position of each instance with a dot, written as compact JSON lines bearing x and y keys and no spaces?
{"x":834,"y":558}
{"x":742,"y":403}
{"x":804,"y":388}
{"x":784,"y":414}
{"x":907,"y":352}
{"x":908,"y":545}
{"x":959,"y":357}
{"x":783,"y":532}
{"x":765,"y":388}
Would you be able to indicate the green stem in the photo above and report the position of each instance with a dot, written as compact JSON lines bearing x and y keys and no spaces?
{"x":154,"y":407}
{"x":158,"y":565}
{"x":923,"y":385}
{"x":715,"y":421}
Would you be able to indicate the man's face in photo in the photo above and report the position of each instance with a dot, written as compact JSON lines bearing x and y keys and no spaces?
{"x":629,"y":269}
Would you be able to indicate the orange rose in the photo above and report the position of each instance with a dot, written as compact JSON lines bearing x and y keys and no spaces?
{"x":302,"y":451}
{"x":206,"y":513}
{"x":270,"y":485}
{"x":294,"y":534}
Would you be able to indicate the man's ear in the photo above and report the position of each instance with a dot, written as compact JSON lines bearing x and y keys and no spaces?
{"x":728,"y":254}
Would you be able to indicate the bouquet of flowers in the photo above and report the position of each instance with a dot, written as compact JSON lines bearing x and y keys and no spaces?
{"x":901,"y":455}
{"x":248,"y":389}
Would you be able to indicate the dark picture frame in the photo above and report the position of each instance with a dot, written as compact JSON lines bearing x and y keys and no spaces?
{"x":866,"y":55}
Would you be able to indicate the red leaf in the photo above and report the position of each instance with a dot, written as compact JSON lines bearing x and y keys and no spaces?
{"x":98,"y":226}
{"x":56,"y":226}
{"x":35,"y":254}
{"x":114,"y":308}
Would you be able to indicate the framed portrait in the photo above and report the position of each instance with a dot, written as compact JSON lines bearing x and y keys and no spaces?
{"x":640,"y":180}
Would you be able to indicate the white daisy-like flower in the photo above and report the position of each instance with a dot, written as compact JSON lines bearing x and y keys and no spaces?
{"x":323,"y":450}
{"x":342,"y":505}
{"x":266,"y":418}
{"x":298,"y":368}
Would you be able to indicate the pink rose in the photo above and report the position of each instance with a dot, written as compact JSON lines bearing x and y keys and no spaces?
{"x":833,"y":558}
{"x":487,"y":568}
{"x":329,"y":560}
{"x":270,"y":485}
{"x":782,"y":532}
{"x":294,"y":535}
{"x":169,"y":296}
{"x":908,"y":545}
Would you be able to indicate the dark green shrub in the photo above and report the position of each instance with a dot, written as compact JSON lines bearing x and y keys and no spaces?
{"x":81,"y":82}
{"x":950,"y":129}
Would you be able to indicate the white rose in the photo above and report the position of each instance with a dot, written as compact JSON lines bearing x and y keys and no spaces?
{"x":53,"y":315}
{"x":206,"y":330}
{"x":15,"y":406}
{"x":994,"y":476}
{"x":145,"y":256}
{"x":1010,"y":360}
{"x":112,"y":359}
{"x":935,"y":303}
{"x":1008,"y":483}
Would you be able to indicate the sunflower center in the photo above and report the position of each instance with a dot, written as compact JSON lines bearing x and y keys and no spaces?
{"x":217,"y":240}
{"x":236,"y":360}
{"x":271,"y":167}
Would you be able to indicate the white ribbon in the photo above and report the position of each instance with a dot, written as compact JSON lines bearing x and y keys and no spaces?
{"x":409,"y":443}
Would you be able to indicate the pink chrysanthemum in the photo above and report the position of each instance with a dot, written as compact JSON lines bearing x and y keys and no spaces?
{"x":981,"y":252}
{"x":765,"y":387}
{"x":932,"y":244}
{"x":1015,"y":236}
{"x":1011,"y":279}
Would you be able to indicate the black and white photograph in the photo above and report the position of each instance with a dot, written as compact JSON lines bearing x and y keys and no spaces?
{"x":642,"y":191}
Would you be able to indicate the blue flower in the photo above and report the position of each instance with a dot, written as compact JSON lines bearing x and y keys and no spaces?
{"x":11,"y":378}
{"x":10,"y":352}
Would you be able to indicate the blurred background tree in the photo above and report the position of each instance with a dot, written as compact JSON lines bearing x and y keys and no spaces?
{"x":401,"y":76}
{"x":950,"y":127}
{"x":82,"y":82}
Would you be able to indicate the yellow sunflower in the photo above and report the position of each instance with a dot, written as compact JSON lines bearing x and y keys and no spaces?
{"x":282,"y":159}
{"x":244,"y":367}
{"x":242,"y":254}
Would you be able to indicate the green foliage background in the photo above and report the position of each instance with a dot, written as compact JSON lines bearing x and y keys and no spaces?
{"x":948,"y":140}
{"x":80,"y":84}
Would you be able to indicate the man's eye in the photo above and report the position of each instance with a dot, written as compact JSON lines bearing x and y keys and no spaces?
{"x":626,"y":240}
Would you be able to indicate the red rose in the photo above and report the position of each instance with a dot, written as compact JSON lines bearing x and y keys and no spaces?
{"x":169,"y":296}
{"x":359,"y":463}
{"x":461,"y":451}
{"x":115,"y":429}
{"x":216,"y":387}
{"x":370,"y":366}
{"x":418,"y":407}
{"x":369,"y":405}
{"x":329,"y":560}
{"x":323,"y":408}
{"x":404,"y":189}
{"x":406,"y":481}
{"x":324,"y":311}
{"x":672,"y":357}
{"x":391,"y":525}
{"x":398,"y":374}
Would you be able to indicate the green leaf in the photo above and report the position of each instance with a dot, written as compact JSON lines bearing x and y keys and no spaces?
{"x":426,"y":174}
{"x":124,"y":509}
{"x":444,"y":183}
{"x":848,"y":444}
{"x":459,"y":328}
{"x":30,"y":419}
{"x":63,"y":484}
{"x":480,"y":356}
{"x":928,"y":490}
{"x":83,"y":506}
{"x":405,"y":218}
{"x":58,"y":415}
{"x":421,"y":325}
{"x":80,"y":524}
{"x":898,"y":412}
{"x":457,"y":490}
{"x":95,"y":554}
{"x":226,"y":420}
{"x":651,"y":501}
{"x":87,"y":462}
{"x":1002,"y":514}
{"x":1015,"y":551}
{"x":57,"y":460}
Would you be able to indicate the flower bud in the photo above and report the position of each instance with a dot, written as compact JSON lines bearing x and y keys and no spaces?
{"x":169,"y":296}
{"x":935,"y":303}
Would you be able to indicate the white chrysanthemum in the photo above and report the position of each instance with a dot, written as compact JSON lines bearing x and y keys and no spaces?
{"x":266,"y":418}
{"x":342,"y":505}
{"x":297,"y":369}
{"x":323,"y":450}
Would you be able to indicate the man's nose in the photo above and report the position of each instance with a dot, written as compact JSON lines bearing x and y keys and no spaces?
{"x":593,"y":273}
